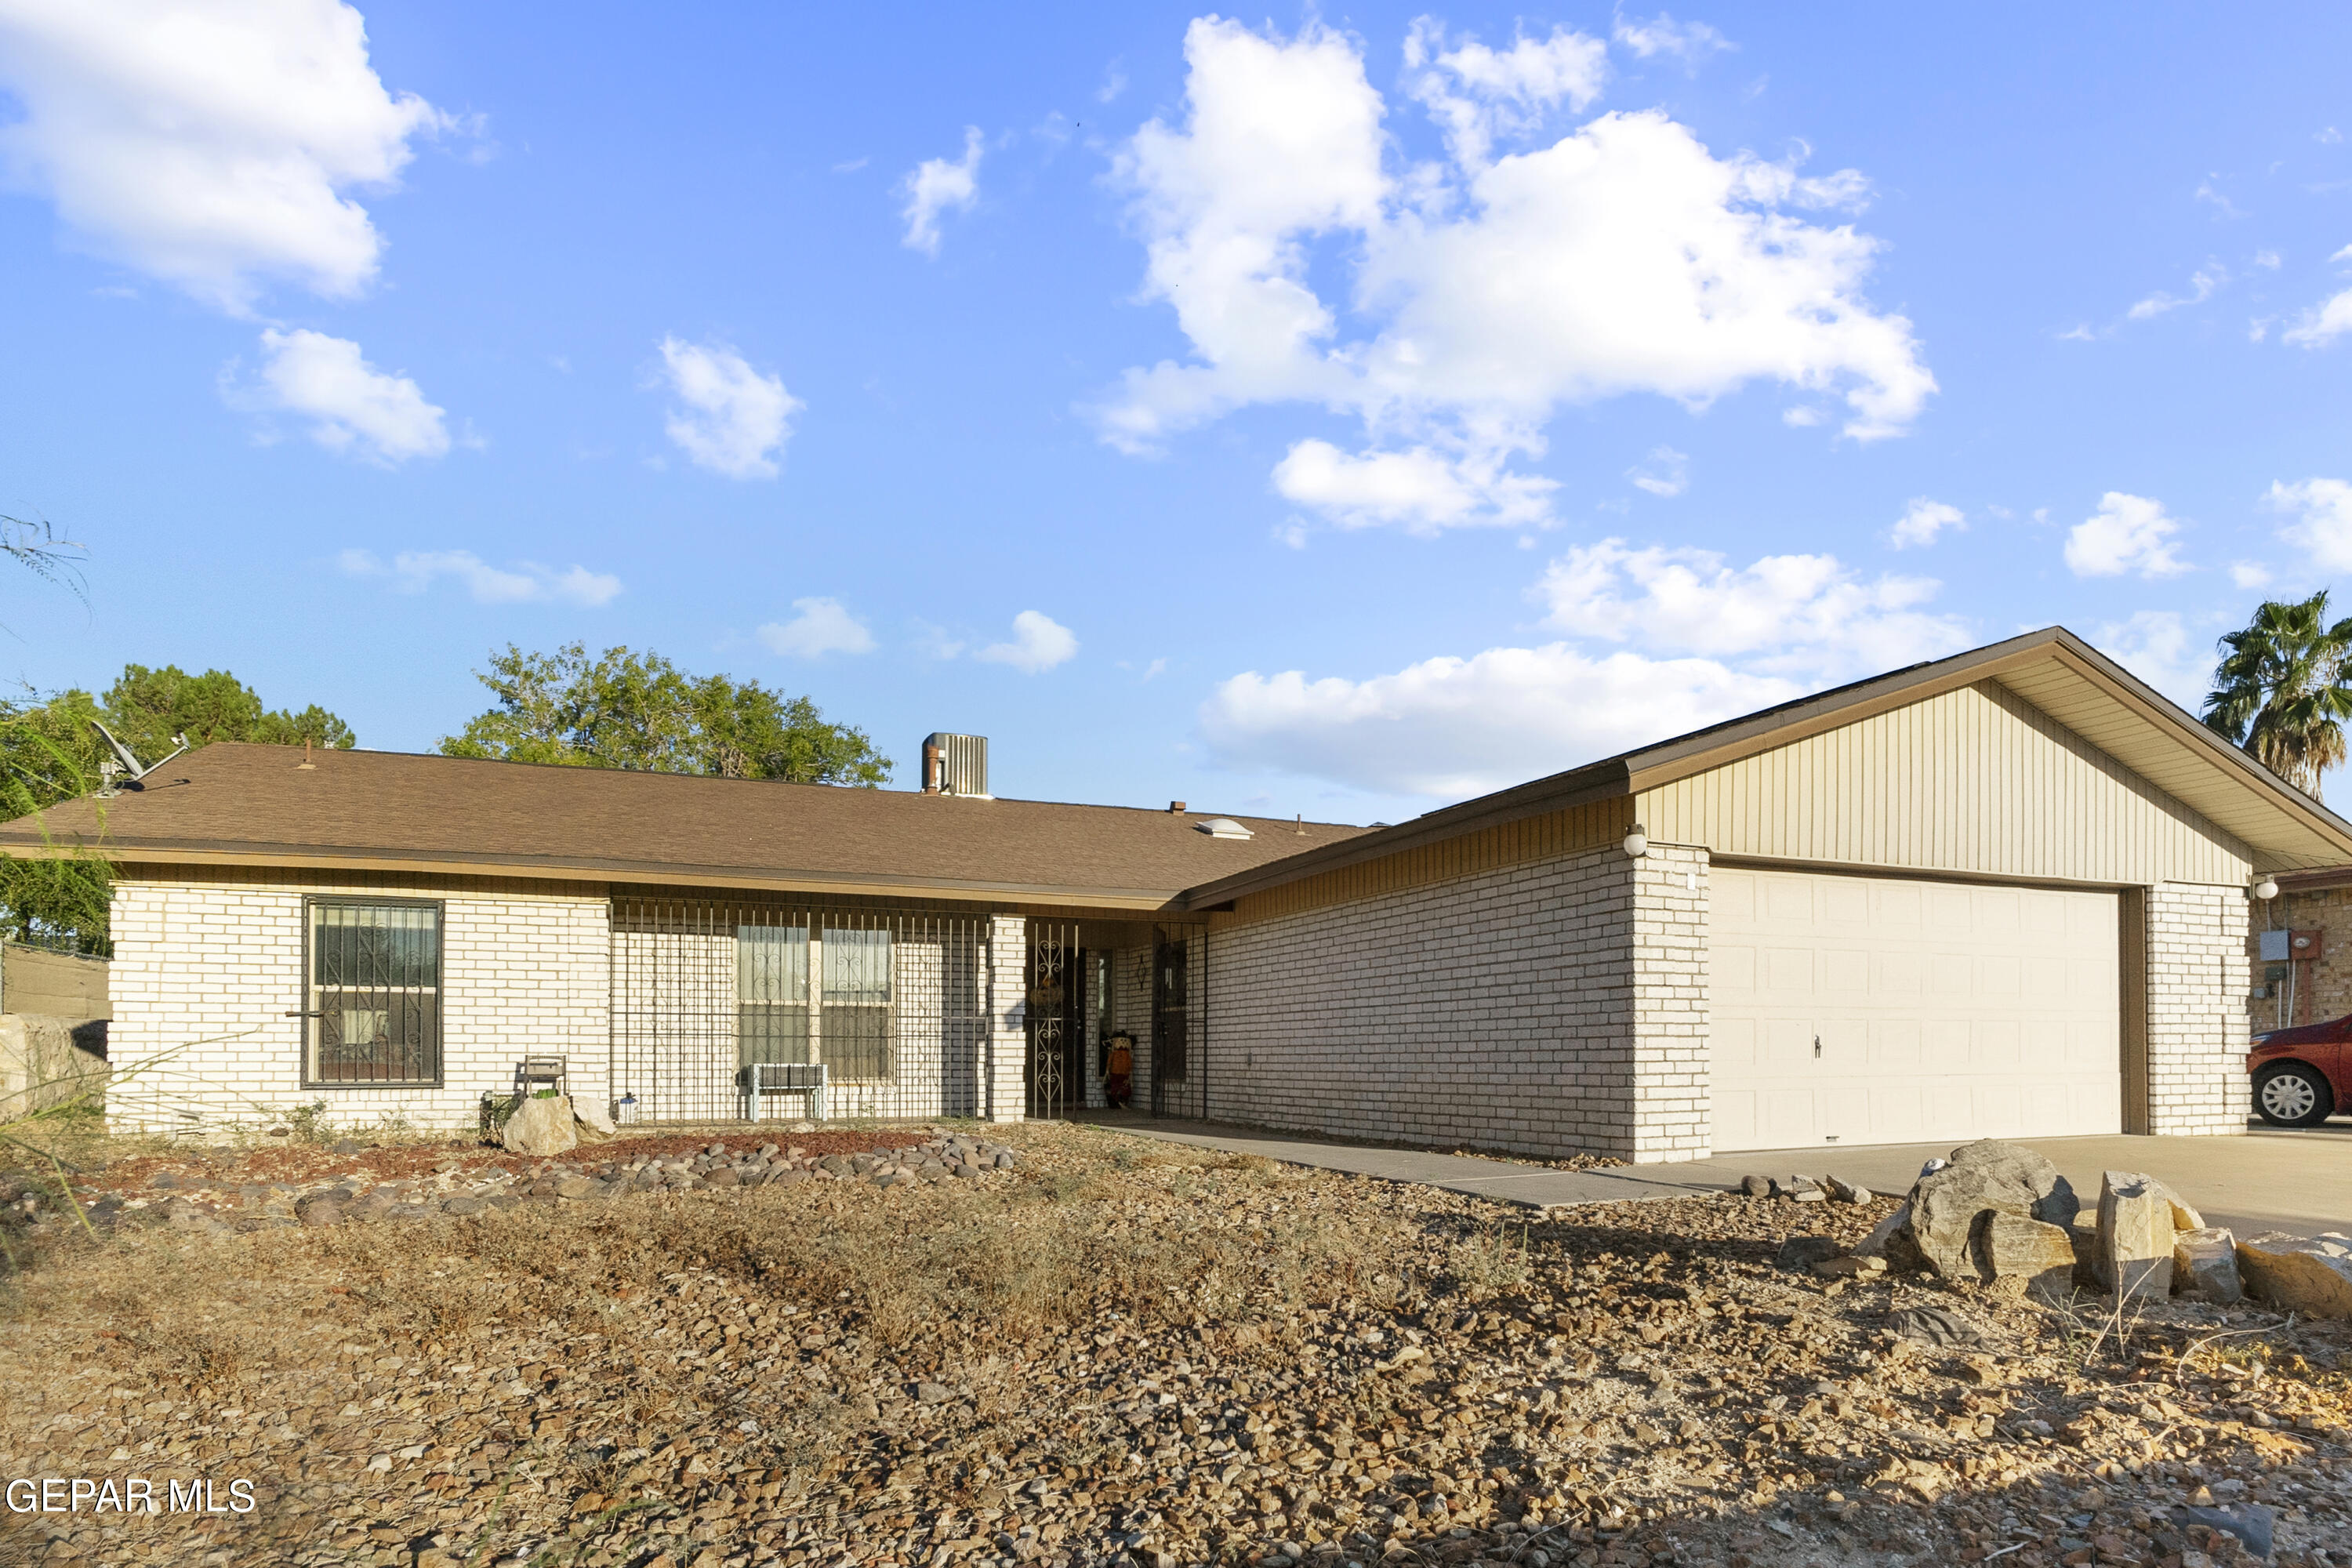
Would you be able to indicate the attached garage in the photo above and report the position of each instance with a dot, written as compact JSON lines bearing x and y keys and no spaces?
{"x":1859,"y":1009}
{"x":2005,"y":894}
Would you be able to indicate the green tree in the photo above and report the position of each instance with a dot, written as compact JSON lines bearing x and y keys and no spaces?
{"x":148,"y":707}
{"x":49,"y":752}
{"x":640,"y":712}
{"x":2283,"y":689}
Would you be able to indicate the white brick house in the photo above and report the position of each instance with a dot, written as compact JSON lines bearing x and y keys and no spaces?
{"x":2004,"y":894}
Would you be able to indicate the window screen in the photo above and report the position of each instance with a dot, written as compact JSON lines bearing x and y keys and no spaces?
{"x":374,"y":1003}
{"x":772,"y":993}
{"x":855,"y":1025}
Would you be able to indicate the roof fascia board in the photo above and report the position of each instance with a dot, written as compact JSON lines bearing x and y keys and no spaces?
{"x":2135,"y":694}
{"x":600,"y":872}
{"x":1604,"y":780}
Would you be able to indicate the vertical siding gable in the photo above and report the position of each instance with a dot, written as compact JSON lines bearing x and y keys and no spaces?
{"x":1975,"y":780}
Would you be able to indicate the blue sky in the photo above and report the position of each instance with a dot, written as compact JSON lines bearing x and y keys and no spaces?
{"x":1329,"y":412}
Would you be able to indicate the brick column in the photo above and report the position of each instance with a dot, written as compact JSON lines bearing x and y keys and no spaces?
{"x":1005,"y":1052}
{"x":1673,"y":1108}
{"x":2198,"y":976}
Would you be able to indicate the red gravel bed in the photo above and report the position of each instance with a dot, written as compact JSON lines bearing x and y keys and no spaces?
{"x":400,"y":1162}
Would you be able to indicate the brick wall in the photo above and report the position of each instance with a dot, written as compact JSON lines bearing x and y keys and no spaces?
{"x":2198,"y":975}
{"x":2324,"y":989}
{"x":1495,"y":1010}
{"x":1674,"y":1101}
{"x":204,"y":974}
{"x":1005,"y":1051}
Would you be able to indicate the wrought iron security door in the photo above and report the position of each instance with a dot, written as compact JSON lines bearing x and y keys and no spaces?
{"x":1055,"y":1069}
{"x":1179,"y":1026}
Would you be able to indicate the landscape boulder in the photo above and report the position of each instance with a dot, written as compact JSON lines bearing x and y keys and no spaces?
{"x":1987,"y":1176}
{"x":542,"y":1126}
{"x":2134,"y":1257}
{"x":2205,"y":1264}
{"x":2311,"y":1275}
{"x":2012,"y":1247}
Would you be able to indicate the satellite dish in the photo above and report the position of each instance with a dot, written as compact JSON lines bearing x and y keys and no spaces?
{"x":124,"y":763}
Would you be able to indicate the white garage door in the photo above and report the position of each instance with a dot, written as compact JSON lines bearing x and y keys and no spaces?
{"x":1884,"y":1010}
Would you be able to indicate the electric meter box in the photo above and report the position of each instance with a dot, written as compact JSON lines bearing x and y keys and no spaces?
{"x":2274,"y":948}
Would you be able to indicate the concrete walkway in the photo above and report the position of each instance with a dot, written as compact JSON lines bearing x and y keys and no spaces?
{"x":2298,"y":1181}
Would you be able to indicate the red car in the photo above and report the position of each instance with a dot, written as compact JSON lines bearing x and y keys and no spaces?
{"x":2304,"y":1074}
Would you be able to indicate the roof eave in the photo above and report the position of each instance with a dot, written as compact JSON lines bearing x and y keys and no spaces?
{"x":602,"y":872}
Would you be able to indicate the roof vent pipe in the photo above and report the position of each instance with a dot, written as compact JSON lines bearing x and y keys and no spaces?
{"x":931,"y":767}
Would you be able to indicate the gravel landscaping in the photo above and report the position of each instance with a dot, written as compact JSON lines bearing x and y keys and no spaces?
{"x":1056,"y":1346}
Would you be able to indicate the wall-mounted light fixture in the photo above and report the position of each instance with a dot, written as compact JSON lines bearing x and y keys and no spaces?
{"x":2266,"y":890}
{"x":1637,"y":843}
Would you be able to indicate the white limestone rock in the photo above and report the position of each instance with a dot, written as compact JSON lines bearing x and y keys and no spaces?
{"x":2311,"y":1275}
{"x":542,"y":1127}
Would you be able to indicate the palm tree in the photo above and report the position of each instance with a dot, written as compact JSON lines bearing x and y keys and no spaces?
{"x":2283,"y":689}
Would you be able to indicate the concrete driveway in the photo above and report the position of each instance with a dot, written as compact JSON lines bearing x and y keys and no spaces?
{"x":2267,"y":1179}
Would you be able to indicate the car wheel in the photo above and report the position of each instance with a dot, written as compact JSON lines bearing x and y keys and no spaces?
{"x":2292,"y":1095}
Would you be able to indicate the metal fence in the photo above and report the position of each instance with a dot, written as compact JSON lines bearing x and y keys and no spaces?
{"x":893,"y":1002}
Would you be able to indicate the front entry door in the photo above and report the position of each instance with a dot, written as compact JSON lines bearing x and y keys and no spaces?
{"x":1055,"y":1070}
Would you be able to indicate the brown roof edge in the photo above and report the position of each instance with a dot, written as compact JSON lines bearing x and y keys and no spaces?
{"x":598,"y":872}
{"x":1700,"y":749}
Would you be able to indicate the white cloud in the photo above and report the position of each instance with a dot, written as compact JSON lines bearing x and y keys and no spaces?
{"x":1922,"y":521}
{"x":1786,"y":614}
{"x":2201,"y":285}
{"x":2156,"y":645}
{"x":526,"y":582}
{"x":1422,"y":489}
{"x":938,"y":185}
{"x":2327,"y":135}
{"x":735,"y":420}
{"x":1476,"y":94}
{"x":1689,"y":42}
{"x":2322,"y":323}
{"x":352,"y":406}
{"x":2127,"y":533}
{"x":2322,"y":527}
{"x":1492,"y":288}
{"x":1454,"y":726}
{"x":821,"y":627}
{"x":2249,"y":575}
{"x":209,"y":144}
{"x":1039,"y":643}
{"x":1664,"y":472}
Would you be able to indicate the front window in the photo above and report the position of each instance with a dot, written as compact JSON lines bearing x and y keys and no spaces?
{"x":857,"y":1018}
{"x":848,"y":1028}
{"x":374,"y":1005}
{"x":771,"y":994}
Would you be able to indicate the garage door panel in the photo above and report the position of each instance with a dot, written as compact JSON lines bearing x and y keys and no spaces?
{"x":1895,"y":1047}
{"x":1845,"y":971}
{"x":2046,"y":978}
{"x":1942,"y":1010}
{"x":1788,"y":971}
{"x":1996,"y":1047}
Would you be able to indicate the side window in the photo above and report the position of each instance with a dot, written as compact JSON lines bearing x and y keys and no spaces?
{"x":373,"y":1001}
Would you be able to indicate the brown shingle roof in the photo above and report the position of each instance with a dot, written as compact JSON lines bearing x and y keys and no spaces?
{"x":250,"y":804}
